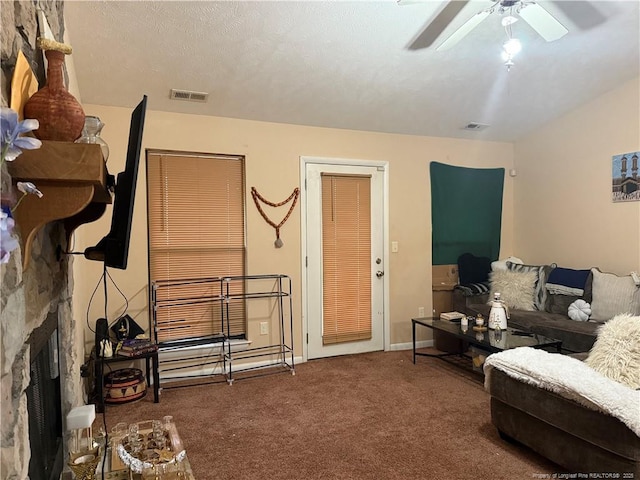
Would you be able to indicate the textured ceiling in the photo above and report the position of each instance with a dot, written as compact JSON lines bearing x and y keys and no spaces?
{"x":347,"y":64}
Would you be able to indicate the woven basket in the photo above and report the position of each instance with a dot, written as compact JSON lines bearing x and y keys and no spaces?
{"x":124,"y":386}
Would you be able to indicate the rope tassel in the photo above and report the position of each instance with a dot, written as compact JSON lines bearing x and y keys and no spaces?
{"x":257,"y":198}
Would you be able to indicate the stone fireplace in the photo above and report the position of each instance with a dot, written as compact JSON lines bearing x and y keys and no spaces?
{"x":39,"y":298}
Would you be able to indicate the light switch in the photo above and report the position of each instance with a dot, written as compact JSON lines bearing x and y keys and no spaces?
{"x":394,"y":247}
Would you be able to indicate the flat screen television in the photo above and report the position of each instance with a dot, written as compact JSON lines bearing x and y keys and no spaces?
{"x":113,"y":249}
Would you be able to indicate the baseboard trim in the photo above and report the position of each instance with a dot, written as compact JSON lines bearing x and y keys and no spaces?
{"x":409,"y":345}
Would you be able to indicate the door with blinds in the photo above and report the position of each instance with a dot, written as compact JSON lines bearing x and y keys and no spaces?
{"x":196,"y":223}
{"x":345,"y":259}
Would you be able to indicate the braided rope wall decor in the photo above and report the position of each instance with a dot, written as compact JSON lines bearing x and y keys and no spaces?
{"x":257,"y":198}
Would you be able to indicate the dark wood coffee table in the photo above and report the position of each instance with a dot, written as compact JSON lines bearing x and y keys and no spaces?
{"x":491,"y":341}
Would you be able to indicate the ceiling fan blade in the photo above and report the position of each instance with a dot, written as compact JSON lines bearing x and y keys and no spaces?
{"x":435,"y":28}
{"x":583,"y":14}
{"x":542,"y":22}
{"x":463,"y":31}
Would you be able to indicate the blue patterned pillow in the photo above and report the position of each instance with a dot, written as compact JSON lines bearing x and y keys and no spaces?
{"x":472,"y":289}
{"x":567,"y":281}
{"x":540,"y":292}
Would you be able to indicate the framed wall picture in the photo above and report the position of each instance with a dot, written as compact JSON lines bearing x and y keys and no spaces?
{"x":625,"y":177}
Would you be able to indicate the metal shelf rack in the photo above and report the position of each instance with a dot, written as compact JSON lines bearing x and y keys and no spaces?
{"x":176,"y":356}
{"x":278,"y":352}
{"x":222,"y":292}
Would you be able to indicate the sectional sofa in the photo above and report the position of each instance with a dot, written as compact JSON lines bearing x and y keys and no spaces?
{"x":554,"y":291}
{"x":571,"y":411}
{"x":575,"y":336}
{"x":567,"y":411}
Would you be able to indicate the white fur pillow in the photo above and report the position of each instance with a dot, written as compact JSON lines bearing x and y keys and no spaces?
{"x":616,"y":353}
{"x":516,"y":288}
{"x":613,"y":295}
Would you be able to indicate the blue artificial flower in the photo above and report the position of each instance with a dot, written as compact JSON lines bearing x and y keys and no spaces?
{"x":11,"y":129}
{"x":7,"y":241}
{"x":12,"y":144}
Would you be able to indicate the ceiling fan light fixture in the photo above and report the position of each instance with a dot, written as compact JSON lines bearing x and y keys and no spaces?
{"x":509,"y":20}
{"x":509,"y":63}
{"x":511,"y":47}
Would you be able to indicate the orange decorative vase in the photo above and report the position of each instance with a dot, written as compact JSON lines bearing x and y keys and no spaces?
{"x":60,"y":115}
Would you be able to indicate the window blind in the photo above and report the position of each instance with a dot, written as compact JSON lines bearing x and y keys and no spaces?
{"x":196,"y":216}
{"x":346,"y":251}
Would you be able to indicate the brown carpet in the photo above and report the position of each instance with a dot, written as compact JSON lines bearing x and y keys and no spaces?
{"x":369,"y":416}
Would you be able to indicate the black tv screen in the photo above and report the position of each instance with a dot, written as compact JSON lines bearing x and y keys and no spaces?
{"x":113,"y":249}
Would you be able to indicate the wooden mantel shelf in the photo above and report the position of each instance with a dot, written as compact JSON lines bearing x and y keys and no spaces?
{"x":73,"y":179}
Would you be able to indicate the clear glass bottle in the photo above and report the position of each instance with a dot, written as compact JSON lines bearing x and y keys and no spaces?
{"x":91,"y":134}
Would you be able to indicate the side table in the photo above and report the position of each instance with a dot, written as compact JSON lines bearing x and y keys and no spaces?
{"x":151,"y":361}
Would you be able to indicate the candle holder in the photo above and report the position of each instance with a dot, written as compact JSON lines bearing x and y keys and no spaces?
{"x":83,"y":464}
{"x":91,"y":134}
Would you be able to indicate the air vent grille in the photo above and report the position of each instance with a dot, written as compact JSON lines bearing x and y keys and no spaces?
{"x":188,"y":95}
{"x":475,"y":126}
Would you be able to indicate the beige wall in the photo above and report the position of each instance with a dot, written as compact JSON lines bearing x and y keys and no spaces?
{"x":273,"y":154}
{"x":564,"y":211}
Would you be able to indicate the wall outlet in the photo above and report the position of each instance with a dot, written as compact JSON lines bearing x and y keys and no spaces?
{"x":264,"y":328}
{"x":421,"y":311}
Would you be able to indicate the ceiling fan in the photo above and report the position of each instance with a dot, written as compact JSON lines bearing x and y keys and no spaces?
{"x":543,"y":22}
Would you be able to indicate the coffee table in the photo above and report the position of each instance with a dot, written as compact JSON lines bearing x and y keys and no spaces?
{"x":491,"y":341}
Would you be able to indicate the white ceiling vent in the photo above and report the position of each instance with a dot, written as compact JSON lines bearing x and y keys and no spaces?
{"x":475,"y":126}
{"x":188,"y":95}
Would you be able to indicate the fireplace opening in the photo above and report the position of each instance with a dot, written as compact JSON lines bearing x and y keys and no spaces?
{"x":44,"y":404}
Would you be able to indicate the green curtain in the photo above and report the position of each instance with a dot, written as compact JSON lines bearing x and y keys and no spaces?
{"x":466,"y":212}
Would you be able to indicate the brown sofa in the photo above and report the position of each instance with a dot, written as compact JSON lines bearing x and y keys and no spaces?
{"x":575,"y":336}
{"x":569,"y":427}
{"x":551,"y":315}
{"x":578,"y":439}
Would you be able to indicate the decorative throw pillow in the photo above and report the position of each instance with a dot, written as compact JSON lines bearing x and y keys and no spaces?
{"x":472,"y":269}
{"x":579,"y":311}
{"x":567,"y":281}
{"x":559,"y":303}
{"x":612,"y":295}
{"x":502,"y":264}
{"x":516,"y":288}
{"x":616,"y":353}
{"x":542,"y":273}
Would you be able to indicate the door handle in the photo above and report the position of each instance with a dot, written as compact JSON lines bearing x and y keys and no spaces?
{"x":379,"y":274}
